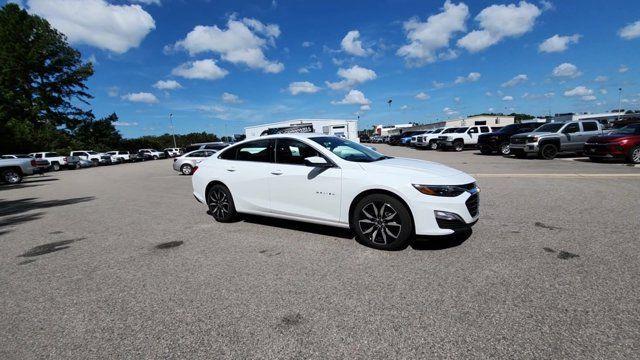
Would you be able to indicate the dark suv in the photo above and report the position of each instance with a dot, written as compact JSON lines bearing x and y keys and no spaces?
{"x":499,"y":141}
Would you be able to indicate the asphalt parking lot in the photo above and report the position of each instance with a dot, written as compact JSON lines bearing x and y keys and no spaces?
{"x":122,"y":262}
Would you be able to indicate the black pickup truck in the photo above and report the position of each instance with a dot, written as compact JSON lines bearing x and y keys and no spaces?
{"x":499,"y":141}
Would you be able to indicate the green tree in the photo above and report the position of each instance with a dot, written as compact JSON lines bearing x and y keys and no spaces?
{"x":42,"y":83}
{"x":99,"y":135}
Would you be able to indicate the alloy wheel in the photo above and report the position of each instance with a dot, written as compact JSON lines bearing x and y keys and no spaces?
{"x":549,"y":152}
{"x":219,"y":203}
{"x":635,"y":156}
{"x":505,"y":149}
{"x":433,"y":145}
{"x":186,"y":169}
{"x":459,"y":146}
{"x":11,"y":177}
{"x":380,"y":223}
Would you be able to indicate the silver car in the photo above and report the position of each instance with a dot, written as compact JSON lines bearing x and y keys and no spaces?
{"x":188,"y":161}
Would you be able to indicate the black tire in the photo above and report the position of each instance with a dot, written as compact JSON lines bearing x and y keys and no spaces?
{"x":55,"y":166}
{"x":433,"y":145}
{"x":95,"y":162}
{"x":634,"y":155}
{"x":220,"y":203}
{"x":11,"y":176}
{"x":155,"y":157}
{"x":186,"y":169}
{"x":458,"y":145}
{"x":505,"y":149}
{"x":485,"y":150}
{"x":520,"y":154}
{"x":391,"y":225}
{"x":548,"y":151}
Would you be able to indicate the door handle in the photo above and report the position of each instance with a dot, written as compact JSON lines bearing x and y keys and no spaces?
{"x":230,"y":169}
{"x":276,"y":172}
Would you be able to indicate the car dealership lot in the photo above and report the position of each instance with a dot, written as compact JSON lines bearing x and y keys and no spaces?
{"x":123,"y":262}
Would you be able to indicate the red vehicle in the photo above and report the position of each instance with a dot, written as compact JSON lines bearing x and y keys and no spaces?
{"x":622,"y":143}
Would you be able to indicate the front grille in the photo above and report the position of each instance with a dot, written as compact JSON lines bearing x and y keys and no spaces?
{"x":473,"y":203}
{"x":452,"y":224}
{"x":518,"y":140}
{"x":419,"y":139}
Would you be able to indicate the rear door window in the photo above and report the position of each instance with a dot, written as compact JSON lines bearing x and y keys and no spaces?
{"x":485,"y":129}
{"x":589,"y":126}
{"x":571,"y":128}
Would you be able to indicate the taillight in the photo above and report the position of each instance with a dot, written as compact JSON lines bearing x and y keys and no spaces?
{"x":33,"y":162}
{"x":195,"y":168}
{"x":66,"y":159}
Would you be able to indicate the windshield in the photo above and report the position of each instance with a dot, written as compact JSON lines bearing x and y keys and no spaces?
{"x":508,"y":129}
{"x":553,"y":127}
{"x":629,"y":130}
{"x":349,"y":150}
{"x":461,"y":130}
{"x":449,"y":130}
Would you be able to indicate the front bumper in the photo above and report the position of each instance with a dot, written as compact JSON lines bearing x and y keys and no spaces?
{"x":465,"y":206}
{"x":604,"y":150}
{"x":526,"y":147}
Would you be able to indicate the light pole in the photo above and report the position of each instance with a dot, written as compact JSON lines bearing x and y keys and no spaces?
{"x":619,"y":102}
{"x":173,"y":133}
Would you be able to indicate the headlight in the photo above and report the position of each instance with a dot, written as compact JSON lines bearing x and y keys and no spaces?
{"x":440,"y":190}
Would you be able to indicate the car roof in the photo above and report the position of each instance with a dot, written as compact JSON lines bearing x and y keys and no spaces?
{"x":292,"y":135}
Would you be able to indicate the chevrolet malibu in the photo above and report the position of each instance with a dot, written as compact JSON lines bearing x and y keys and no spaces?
{"x":386,"y":201}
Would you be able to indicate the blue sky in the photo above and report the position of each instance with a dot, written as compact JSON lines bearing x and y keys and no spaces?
{"x":219,"y":66}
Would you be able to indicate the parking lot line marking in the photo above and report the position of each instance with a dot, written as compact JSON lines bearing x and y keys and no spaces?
{"x":568,"y":175}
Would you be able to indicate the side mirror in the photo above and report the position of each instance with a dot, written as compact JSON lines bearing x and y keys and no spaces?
{"x":317,"y":161}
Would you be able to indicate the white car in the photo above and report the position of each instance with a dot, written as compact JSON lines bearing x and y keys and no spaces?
{"x":332,"y":181}
{"x":172,"y":152}
{"x":462,"y":137}
{"x":57,"y":162}
{"x":119,"y":156}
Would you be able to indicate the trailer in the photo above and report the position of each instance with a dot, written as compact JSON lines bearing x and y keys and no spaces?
{"x":347,"y":129}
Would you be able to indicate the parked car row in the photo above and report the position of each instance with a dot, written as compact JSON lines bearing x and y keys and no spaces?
{"x":545,"y":141}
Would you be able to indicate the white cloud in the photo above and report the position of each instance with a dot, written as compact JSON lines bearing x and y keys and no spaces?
{"x":558,"y":43}
{"x":313,"y":66}
{"x":426,"y":38}
{"x":601,"y":79}
{"x":202,"y":69}
{"x":302,"y":87}
{"x":365,"y":107}
{"x":354,"y":97}
{"x":546,"y":5}
{"x":578,"y":91}
{"x":124,"y":123}
{"x":623,"y":69}
{"x":549,"y":95}
{"x":141,"y":97}
{"x":449,"y":111}
{"x":498,"y":22}
{"x":351,"y":44}
{"x":457,"y":100}
{"x":353,"y":76}
{"x":307,"y":44}
{"x":489,"y":93}
{"x":507,"y":98}
{"x":437,"y":85}
{"x":113,"y":91}
{"x":472,"y":77}
{"x":422,"y":96}
{"x":589,"y":98}
{"x":167,"y":85}
{"x":630,"y":31}
{"x":231,"y":98}
{"x":566,"y":70}
{"x":603,"y":91}
{"x":116,"y":28}
{"x":516,"y":80}
{"x":147,"y":2}
{"x":243,"y":42}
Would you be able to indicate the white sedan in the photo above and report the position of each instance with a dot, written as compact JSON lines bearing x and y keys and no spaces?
{"x":331,"y":181}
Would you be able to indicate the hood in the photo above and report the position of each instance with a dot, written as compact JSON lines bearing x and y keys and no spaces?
{"x":419,"y":171}
{"x":605,"y":139}
{"x":524,"y":135}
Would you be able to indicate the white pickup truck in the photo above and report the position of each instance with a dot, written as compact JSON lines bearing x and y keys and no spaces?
{"x":429,"y":140}
{"x":57,"y":162}
{"x":12,"y":170}
{"x":119,"y":156}
{"x":150,"y":154}
{"x":466,"y":136}
{"x":95,"y":157}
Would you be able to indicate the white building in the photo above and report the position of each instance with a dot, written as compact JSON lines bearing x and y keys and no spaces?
{"x":386,"y":130}
{"x":338,"y":127}
{"x":601,"y":117}
{"x":489,"y":120}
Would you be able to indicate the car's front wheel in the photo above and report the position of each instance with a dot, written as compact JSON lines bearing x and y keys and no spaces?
{"x":505,"y":148}
{"x":458,"y":145}
{"x":186,"y":169}
{"x":433,"y":145}
{"x":11,"y":176}
{"x":548,"y":151}
{"x":220,"y":203}
{"x":634,"y":155}
{"x":55,"y":166}
{"x":382,"y":222}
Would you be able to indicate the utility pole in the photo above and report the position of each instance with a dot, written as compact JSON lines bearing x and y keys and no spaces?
{"x":173,"y":132}
{"x":619,"y":102}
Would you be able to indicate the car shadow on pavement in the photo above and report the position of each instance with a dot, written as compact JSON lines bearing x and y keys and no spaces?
{"x":14,"y":207}
{"x":300,"y":226}
{"x":441,"y":242}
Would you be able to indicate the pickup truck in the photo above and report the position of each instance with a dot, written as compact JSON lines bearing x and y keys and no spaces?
{"x":93,"y":156}
{"x":550,"y":139}
{"x":119,"y":156}
{"x":57,"y":162}
{"x":429,"y":139}
{"x":462,"y":137}
{"x":13,"y":170}
{"x":150,"y":154}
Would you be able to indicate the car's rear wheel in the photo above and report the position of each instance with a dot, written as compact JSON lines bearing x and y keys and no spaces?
{"x":155,"y":157}
{"x":55,"y":166}
{"x":458,"y":145}
{"x":186,"y":169}
{"x":11,"y":176}
{"x":548,"y":151}
{"x":433,"y":145}
{"x":382,"y":222}
{"x":505,"y":149}
{"x":220,"y":203}
{"x":634,"y":155}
